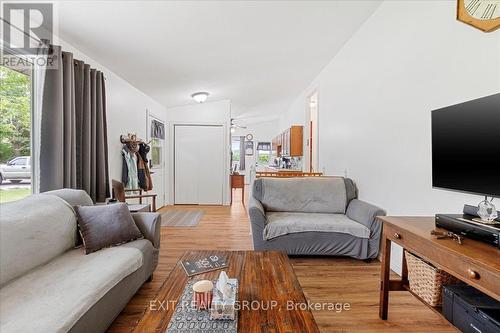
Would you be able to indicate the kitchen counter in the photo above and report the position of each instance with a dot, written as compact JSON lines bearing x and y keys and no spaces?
{"x":276,"y":169}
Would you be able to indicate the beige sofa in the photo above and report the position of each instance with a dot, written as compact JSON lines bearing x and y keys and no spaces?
{"x":48,"y":285}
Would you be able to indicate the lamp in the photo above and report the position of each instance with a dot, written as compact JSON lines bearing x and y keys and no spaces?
{"x":200,"y":97}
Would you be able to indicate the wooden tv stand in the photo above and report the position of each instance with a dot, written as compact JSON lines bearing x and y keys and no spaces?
{"x":473,"y":262}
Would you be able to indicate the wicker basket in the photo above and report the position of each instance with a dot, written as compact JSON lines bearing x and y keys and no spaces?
{"x":427,"y":281}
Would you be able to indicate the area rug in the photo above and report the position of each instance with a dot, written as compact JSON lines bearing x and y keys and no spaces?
{"x":181,"y":218}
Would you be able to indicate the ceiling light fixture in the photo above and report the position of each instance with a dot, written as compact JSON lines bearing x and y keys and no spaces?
{"x":200,"y":97}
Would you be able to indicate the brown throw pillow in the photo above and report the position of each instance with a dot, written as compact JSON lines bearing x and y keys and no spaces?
{"x":104,"y":226}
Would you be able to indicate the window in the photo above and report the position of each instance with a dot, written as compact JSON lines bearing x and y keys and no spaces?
{"x":235,"y":148}
{"x":235,"y":153}
{"x":156,"y":155}
{"x":264,"y":157}
{"x":157,"y":136}
{"x":263,"y":153}
{"x":15,"y":133}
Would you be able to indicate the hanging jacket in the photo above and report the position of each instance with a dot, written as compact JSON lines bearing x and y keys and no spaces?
{"x":124,"y":169}
{"x":141,"y":172}
{"x":130,"y":161}
{"x":148,"y":178}
{"x":143,"y":151}
{"x":143,"y":154}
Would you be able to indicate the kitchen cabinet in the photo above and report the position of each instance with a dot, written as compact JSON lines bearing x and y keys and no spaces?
{"x":290,"y":142}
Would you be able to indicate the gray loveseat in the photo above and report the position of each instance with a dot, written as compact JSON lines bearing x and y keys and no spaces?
{"x":313,"y":216}
{"x":46,"y":285}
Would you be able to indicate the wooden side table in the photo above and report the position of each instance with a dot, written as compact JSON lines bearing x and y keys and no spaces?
{"x":473,"y":262}
{"x":238,"y":181}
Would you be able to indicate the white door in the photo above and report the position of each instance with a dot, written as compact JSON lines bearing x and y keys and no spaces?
{"x":211,"y":172}
{"x":198,"y":164}
{"x":186,"y":165}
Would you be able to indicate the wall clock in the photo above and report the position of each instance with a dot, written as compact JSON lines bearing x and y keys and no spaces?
{"x":482,"y":14}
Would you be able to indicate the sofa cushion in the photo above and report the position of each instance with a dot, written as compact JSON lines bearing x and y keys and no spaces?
{"x":107,"y":225}
{"x":284,"y":223}
{"x":72,"y":197}
{"x":307,"y":195}
{"x":53,"y":297}
{"x":33,"y":231}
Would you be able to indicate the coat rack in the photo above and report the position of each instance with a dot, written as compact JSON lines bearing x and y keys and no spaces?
{"x":135,"y":148}
{"x":132,"y":139}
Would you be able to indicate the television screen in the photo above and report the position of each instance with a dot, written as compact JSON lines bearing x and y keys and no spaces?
{"x":466,"y":146}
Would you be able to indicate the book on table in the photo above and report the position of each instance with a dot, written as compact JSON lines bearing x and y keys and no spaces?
{"x":195,"y":266}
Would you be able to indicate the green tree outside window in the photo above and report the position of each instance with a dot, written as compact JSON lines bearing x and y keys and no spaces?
{"x":15,"y":114}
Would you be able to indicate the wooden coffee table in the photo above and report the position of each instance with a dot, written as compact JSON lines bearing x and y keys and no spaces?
{"x":263,"y":277}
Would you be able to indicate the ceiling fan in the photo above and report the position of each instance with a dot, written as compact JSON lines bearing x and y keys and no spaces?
{"x":234,"y":126}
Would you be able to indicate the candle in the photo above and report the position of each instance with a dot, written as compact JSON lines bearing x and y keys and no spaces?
{"x":202,"y":294}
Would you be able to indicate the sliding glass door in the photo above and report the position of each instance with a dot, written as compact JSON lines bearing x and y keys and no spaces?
{"x":15,"y":133}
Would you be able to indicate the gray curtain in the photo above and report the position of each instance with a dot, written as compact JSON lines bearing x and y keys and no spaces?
{"x":242,"y":153}
{"x":73,"y":142}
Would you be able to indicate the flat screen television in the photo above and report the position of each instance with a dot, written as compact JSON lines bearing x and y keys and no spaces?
{"x":466,"y":147}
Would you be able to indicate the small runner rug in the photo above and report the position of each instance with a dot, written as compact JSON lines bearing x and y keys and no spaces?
{"x":181,"y":218}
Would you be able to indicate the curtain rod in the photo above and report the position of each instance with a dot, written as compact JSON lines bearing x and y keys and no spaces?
{"x":40,"y":41}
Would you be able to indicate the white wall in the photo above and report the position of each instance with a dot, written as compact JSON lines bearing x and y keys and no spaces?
{"x":263,"y":131}
{"x":376,"y":95}
{"x":208,"y":113}
{"x":126,"y":109}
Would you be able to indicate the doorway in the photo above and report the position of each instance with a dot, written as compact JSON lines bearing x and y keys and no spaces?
{"x":156,"y":137}
{"x":312,"y":139}
{"x":238,"y":154}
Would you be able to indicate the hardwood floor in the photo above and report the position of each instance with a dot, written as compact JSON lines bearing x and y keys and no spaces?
{"x":335,"y":280}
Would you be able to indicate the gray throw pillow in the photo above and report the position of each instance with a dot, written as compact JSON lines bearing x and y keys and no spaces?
{"x":106,"y":225}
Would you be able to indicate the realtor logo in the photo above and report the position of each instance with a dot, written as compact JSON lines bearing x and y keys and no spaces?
{"x":27,"y":26}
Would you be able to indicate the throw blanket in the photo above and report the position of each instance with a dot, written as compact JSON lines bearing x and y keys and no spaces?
{"x":283,"y":223}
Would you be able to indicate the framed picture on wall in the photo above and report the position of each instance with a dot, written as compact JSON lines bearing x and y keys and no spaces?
{"x":248,"y":148}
